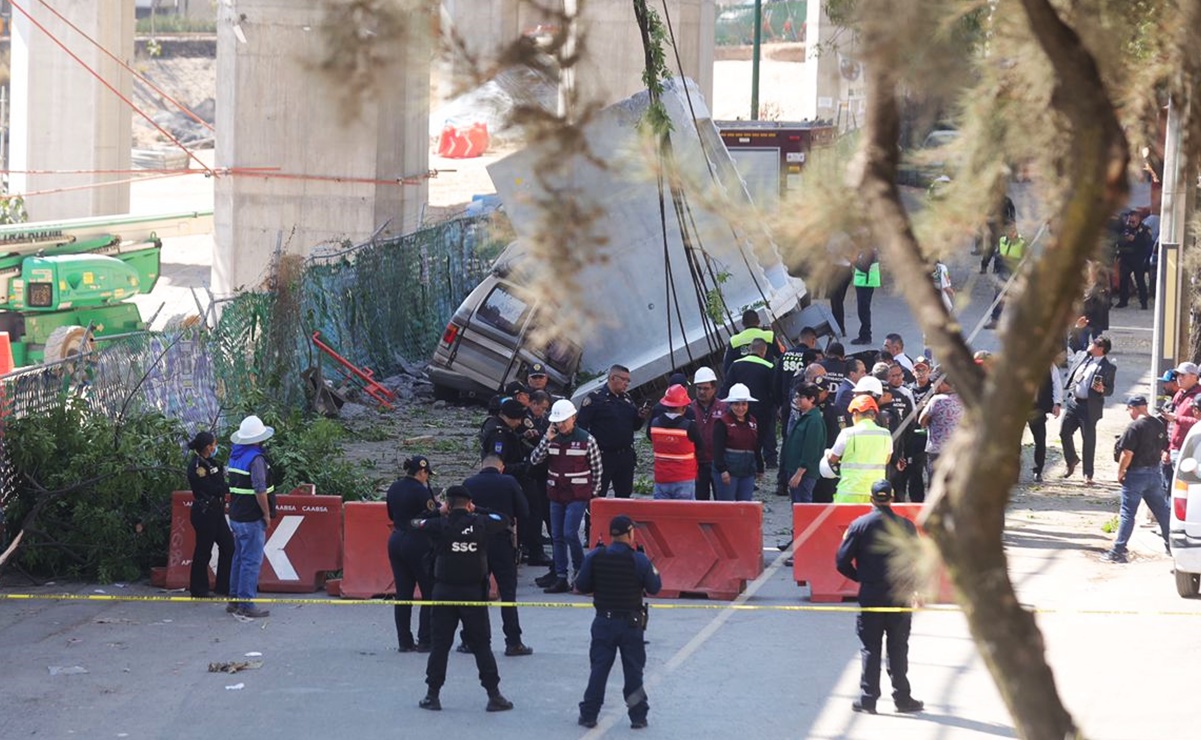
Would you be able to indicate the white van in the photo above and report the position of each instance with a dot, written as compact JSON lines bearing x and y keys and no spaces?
{"x":1184,"y":534}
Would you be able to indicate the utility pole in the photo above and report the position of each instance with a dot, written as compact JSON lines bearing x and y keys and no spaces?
{"x":1172,"y":305}
{"x":755,"y":60}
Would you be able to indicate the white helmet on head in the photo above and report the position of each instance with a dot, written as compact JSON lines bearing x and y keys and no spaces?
{"x":704,"y":375}
{"x":739,"y":392}
{"x":869,"y":384}
{"x":561,"y":411}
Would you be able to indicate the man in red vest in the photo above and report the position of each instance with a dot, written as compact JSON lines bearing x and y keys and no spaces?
{"x":675,"y":439}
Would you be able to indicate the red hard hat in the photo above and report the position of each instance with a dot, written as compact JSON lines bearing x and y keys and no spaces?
{"x":676,"y":396}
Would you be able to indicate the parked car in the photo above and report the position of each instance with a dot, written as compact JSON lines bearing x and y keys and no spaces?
{"x":1184,"y":534}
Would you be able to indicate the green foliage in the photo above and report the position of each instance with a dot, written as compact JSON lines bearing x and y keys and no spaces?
{"x":1110,"y":525}
{"x":12,"y":209}
{"x":715,"y":303}
{"x":102,"y":491}
{"x":162,"y":23}
{"x":309,"y":449}
{"x":656,"y":71}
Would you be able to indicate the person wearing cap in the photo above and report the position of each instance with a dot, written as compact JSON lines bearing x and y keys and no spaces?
{"x":922,"y":385}
{"x":740,"y":344}
{"x":1089,"y":382}
{"x":867,"y":554}
{"x":792,"y":362}
{"x":737,"y":456}
{"x":209,"y":491}
{"x":501,"y":436}
{"x":493,"y":490}
{"x":251,"y":507}
{"x":674,"y":440}
{"x":536,"y":379}
{"x":518,"y":391}
{"x":706,"y":410}
{"x":1133,"y":248}
{"x":1048,"y":401}
{"x":1170,"y":383}
{"x":460,"y":538}
{"x":940,"y":419}
{"x":612,"y":417}
{"x":409,"y":499}
{"x":801,"y":453}
{"x":574,"y":471}
{"x":1138,"y":453}
{"x":862,"y":452}
{"x":1184,"y":412}
{"x":758,"y":374}
{"x":908,"y":454}
{"x":534,"y":484}
{"x":617,"y":576}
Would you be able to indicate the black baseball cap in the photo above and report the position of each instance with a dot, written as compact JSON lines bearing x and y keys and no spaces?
{"x":459,"y":492}
{"x":512,"y":389}
{"x":1135,"y":401}
{"x":621,"y":524}
{"x":881,"y":492}
{"x":417,"y":463}
{"x":536,"y":369}
{"x":512,"y":408}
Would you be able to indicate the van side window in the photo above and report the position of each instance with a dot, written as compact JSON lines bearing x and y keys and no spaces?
{"x":503,"y":310}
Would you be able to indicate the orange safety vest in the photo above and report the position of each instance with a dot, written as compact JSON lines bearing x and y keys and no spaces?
{"x":675,"y":454}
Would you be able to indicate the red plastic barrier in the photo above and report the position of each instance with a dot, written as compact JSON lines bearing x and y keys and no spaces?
{"x":818,"y":531}
{"x":700,"y":547}
{"x":303,"y":542}
{"x":366,"y":572}
{"x":468,"y":143}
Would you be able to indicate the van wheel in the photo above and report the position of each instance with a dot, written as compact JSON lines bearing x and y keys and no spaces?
{"x":1187,"y":584}
{"x":445,"y":393}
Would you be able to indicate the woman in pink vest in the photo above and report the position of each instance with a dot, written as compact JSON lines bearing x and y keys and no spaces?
{"x":737,"y":461}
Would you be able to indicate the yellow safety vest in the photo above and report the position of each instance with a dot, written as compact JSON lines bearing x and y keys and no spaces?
{"x":746,"y":336}
{"x":1012,"y":251}
{"x":863,"y":462}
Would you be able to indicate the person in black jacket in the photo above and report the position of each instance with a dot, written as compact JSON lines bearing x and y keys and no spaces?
{"x":864,"y":557}
{"x":491,"y":489}
{"x":209,"y":491}
{"x":461,"y":537}
{"x":411,"y":498}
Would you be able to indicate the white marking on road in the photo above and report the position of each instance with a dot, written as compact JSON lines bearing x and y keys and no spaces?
{"x":274,"y":549}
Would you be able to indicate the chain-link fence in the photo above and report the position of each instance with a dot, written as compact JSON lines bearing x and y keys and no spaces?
{"x":380,"y":305}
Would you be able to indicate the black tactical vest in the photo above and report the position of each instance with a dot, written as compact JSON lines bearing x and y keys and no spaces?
{"x":616,"y":583}
{"x":462,"y":552}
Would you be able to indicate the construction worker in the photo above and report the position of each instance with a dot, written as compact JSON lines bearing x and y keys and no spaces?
{"x":862,"y":452}
{"x":740,"y":343}
{"x":1010,"y":250}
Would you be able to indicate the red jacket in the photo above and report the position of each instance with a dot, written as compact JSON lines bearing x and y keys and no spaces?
{"x":705,"y":419}
{"x":1186,"y":416}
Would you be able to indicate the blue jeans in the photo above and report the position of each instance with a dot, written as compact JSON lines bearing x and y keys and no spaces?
{"x":738,"y":489}
{"x":565,"y":534}
{"x":249,"y":538}
{"x":1141,"y":484}
{"x":610,"y":634}
{"x":681,"y":491}
{"x":803,"y":494}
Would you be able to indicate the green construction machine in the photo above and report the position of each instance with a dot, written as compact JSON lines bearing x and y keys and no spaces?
{"x":58,"y":279}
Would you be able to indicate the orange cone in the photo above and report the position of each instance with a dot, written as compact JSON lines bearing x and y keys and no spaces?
{"x":6,"y":354}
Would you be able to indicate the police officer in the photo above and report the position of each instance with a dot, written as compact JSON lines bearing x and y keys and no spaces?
{"x":411,"y":498}
{"x":209,"y":490}
{"x":617,"y":576}
{"x":529,"y":530}
{"x":460,"y":574}
{"x":610,"y":415}
{"x":864,"y":557}
{"x":491,"y":489}
{"x":501,"y":435}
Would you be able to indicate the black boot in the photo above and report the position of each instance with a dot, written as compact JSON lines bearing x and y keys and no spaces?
{"x":498,"y":703}
{"x":431,"y":702}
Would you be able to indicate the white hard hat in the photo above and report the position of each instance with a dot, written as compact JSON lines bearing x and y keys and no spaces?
{"x":704,"y":375}
{"x":869,"y":384}
{"x":561,"y":411}
{"x":824,"y":466}
{"x":739,"y":392}
{"x":251,"y":431}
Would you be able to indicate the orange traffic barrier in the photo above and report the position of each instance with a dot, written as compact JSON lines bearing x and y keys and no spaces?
{"x":817,"y":530}
{"x":6,"y":354}
{"x":455,"y":143}
{"x":366,"y":572}
{"x":304,"y":541}
{"x":710,"y":548}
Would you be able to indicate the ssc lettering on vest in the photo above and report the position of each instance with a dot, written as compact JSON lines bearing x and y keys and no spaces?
{"x":464,"y":547}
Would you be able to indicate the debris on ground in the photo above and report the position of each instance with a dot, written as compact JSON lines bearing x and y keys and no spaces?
{"x":236,"y":687}
{"x":58,"y":670}
{"x":235,"y":666}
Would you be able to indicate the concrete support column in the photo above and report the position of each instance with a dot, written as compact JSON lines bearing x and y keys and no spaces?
{"x":62,"y":117}
{"x":275,"y":110}
{"x":613,"y":59}
{"x":833,"y":76}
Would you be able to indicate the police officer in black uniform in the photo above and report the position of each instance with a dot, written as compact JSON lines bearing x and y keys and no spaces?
{"x":617,"y":576}
{"x":610,"y":415}
{"x":864,"y":557}
{"x":408,"y":549}
{"x":501,"y":435}
{"x":460,"y":574}
{"x":209,"y":490}
{"x":491,"y":489}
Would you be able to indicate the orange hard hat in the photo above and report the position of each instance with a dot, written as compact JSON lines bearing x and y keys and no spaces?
{"x":676,"y":396}
{"x":859,"y":404}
